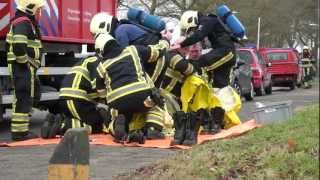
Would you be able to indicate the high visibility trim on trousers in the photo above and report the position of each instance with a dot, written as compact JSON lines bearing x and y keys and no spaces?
{"x":175,"y":60}
{"x":175,"y":75}
{"x":76,"y":93}
{"x":72,"y":109}
{"x":32,"y":72}
{"x":76,"y":123}
{"x":125,"y":90}
{"x":157,"y":71}
{"x":220,"y":62}
{"x":20,"y":122}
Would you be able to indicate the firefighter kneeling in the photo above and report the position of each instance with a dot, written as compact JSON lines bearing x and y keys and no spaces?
{"x":129,"y":89}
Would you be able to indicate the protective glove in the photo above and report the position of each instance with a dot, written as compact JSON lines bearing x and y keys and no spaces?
{"x":156,"y":97}
{"x":33,"y":62}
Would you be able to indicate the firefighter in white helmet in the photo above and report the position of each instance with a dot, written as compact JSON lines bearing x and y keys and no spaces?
{"x":129,"y":89}
{"x":218,"y":61}
{"x":23,"y":57}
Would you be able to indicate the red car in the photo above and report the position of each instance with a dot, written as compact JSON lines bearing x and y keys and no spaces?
{"x":261,"y":78}
{"x":284,"y":67}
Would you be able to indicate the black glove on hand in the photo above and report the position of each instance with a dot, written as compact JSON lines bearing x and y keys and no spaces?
{"x":156,"y":97}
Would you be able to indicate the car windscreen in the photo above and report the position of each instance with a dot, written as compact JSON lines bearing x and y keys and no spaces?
{"x":245,"y":56}
{"x":276,"y":56}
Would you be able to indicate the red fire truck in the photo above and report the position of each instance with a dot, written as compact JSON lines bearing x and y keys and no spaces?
{"x":64,"y":27}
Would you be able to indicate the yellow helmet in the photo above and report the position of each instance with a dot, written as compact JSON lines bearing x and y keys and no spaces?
{"x":30,"y":6}
{"x":101,"y":40}
{"x":101,"y":23}
{"x":189,"y":19}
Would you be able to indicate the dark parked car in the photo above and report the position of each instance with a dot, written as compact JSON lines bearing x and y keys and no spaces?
{"x":241,"y":79}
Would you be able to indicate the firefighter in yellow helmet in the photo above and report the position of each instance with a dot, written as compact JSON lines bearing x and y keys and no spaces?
{"x":23,"y":57}
{"x":129,"y":89}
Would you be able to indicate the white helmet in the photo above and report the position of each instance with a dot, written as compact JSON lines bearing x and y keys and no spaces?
{"x":30,"y":6}
{"x":189,"y":19}
{"x":306,"y":47}
{"x":101,"y":23}
{"x":101,"y":40}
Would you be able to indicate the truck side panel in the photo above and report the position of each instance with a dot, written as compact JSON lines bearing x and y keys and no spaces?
{"x":61,"y":20}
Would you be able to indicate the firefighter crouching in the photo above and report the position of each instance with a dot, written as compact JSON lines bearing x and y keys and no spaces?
{"x":78,"y":102}
{"x":129,"y":89}
{"x":152,"y":121}
{"x":23,"y":56}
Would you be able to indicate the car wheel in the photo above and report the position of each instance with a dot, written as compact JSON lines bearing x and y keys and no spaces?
{"x":268,"y":89}
{"x":292,"y":86}
{"x":259,"y":91}
{"x":237,"y":87}
{"x":249,"y":96}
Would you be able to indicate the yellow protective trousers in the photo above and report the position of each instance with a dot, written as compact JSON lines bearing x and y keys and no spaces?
{"x":196,"y":94}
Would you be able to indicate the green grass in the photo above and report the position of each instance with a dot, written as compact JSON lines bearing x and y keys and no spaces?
{"x":278,"y":151}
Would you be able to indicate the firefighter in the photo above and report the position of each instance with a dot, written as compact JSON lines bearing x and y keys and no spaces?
{"x":129,"y":89}
{"x":307,"y":67}
{"x":23,"y":46}
{"x":103,"y":22}
{"x":124,"y":31}
{"x":78,"y":101}
{"x":220,"y":60}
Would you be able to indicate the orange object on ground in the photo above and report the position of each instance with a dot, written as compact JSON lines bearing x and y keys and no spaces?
{"x":102,"y":139}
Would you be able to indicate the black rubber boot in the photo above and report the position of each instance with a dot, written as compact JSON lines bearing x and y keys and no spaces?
{"x":192,"y":128}
{"x":136,"y":136}
{"x":205,"y":120}
{"x":22,"y":136}
{"x":105,"y":115}
{"x":180,"y":119}
{"x":153,"y":131}
{"x":217,"y":115}
{"x":47,"y":125}
{"x":120,"y":130}
{"x":52,"y":126}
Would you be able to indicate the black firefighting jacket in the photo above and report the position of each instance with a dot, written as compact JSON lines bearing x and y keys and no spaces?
{"x":23,"y":42}
{"x":124,"y":72}
{"x":80,"y":82}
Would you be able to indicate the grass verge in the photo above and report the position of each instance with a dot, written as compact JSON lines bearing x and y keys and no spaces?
{"x":278,"y":151}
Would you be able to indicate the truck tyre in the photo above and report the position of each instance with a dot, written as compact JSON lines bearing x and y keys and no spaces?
{"x":268,"y":89}
{"x":292,"y":85}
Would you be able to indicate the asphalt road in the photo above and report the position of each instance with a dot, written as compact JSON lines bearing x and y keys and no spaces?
{"x":31,"y":162}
